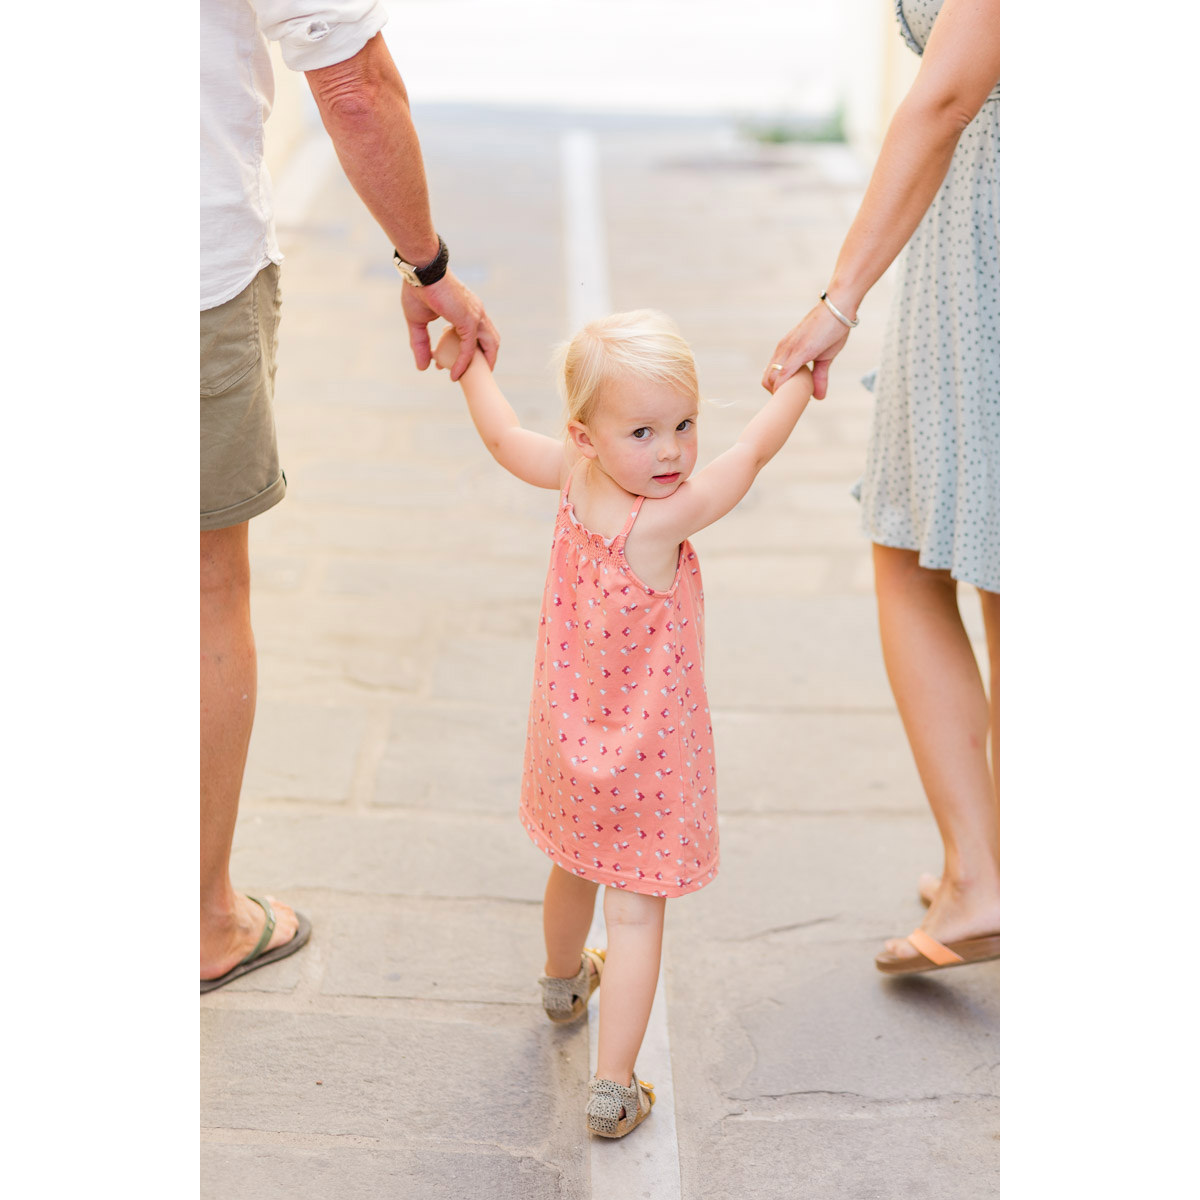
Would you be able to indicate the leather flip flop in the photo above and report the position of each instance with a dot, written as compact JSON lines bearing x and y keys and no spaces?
{"x":933,"y":956}
{"x":259,"y":957}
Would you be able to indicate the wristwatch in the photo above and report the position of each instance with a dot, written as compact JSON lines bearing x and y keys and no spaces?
{"x":430,"y":273}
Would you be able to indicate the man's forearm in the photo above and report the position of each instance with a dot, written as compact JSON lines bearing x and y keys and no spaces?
{"x":364,"y":106}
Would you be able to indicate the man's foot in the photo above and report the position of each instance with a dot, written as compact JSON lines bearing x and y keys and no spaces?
{"x":228,"y":941}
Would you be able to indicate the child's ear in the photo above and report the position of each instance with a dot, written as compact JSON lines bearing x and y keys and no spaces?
{"x":581,"y":439}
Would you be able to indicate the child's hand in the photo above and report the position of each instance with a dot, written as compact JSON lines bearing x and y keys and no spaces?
{"x":446,"y":353}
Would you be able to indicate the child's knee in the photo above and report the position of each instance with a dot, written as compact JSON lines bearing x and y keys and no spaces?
{"x":632,"y":908}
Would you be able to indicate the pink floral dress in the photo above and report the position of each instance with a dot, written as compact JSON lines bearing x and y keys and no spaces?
{"x":620,"y":779}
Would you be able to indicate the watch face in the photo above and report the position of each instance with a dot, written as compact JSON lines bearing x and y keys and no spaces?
{"x":406,"y":269}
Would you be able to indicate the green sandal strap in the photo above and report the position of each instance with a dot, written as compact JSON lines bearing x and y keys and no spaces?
{"x":268,"y":930}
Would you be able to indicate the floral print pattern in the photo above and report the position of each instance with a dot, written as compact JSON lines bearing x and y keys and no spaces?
{"x":619,"y":783}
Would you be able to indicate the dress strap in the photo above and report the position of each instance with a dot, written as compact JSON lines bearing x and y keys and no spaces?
{"x":566,"y":487}
{"x":619,"y":540}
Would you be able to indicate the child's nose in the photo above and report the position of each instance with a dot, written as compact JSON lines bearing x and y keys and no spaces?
{"x":669,"y":449}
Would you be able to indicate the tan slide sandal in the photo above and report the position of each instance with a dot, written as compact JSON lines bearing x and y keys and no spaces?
{"x":933,"y":956}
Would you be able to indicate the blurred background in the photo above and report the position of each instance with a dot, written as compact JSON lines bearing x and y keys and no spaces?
{"x":800,"y":70}
{"x":582,"y":157}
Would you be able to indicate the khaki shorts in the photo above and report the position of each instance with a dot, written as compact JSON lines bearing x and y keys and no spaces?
{"x":239,"y":461}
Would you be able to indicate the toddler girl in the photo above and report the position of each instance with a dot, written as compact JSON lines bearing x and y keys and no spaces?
{"x":619,"y":784}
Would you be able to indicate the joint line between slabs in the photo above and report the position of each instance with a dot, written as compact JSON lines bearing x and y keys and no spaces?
{"x":583,"y":230}
{"x":647,"y":1162}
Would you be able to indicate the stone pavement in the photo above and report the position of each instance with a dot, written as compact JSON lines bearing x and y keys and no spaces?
{"x":404,"y":1052}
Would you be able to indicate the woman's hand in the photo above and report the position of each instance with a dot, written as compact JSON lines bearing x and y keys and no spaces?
{"x":817,"y":339}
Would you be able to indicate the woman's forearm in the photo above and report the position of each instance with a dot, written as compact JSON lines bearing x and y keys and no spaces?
{"x":959,"y":68}
{"x":912,"y":164}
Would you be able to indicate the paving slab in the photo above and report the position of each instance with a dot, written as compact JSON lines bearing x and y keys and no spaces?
{"x":865,"y":1156}
{"x":305,"y":751}
{"x":801,"y":651}
{"x":386,"y":1078}
{"x":396,"y":593}
{"x":843,"y":762}
{"x":422,"y":1171}
{"x":460,"y":757}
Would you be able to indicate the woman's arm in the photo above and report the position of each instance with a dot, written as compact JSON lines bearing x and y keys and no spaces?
{"x":530,"y":456}
{"x":959,"y":68}
{"x":715,"y":490}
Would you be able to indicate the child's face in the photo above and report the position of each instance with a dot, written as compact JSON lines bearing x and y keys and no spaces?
{"x":642,"y":435}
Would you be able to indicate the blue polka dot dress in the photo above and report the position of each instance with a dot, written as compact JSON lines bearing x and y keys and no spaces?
{"x":932,"y":480}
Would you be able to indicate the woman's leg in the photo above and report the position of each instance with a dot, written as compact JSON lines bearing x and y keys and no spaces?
{"x":990,"y":603}
{"x":945,"y":711}
{"x":635,"y":929}
{"x":927,"y":883}
{"x":567,"y":910}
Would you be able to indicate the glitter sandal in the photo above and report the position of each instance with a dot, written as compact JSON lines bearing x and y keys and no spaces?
{"x":567,"y":999}
{"x":607,"y":1101}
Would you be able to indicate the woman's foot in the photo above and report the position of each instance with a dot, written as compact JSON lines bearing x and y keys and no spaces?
{"x":957,"y":914}
{"x":927,"y":887}
{"x":566,"y":999}
{"x":614,"y":1110}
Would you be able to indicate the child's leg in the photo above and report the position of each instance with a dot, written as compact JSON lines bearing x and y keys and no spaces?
{"x":567,"y":911}
{"x":635,"y":929}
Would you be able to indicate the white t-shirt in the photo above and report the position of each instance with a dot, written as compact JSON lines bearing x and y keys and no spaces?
{"x":237,"y":89}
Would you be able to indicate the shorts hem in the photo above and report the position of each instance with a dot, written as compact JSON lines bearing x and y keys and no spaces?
{"x":244,"y":510}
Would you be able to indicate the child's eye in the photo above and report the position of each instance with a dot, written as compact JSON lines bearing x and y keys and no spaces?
{"x":685,"y":424}
{"x":642,"y":434}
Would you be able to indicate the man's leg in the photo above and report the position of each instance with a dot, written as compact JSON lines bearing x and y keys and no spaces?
{"x":230,"y":925}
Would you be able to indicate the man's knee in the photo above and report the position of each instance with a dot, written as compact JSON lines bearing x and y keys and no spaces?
{"x":225,"y":561}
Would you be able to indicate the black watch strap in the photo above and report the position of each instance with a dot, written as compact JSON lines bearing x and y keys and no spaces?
{"x":430,"y":273}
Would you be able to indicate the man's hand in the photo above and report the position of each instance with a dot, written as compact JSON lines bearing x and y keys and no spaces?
{"x":446,"y":353}
{"x":450,"y":299}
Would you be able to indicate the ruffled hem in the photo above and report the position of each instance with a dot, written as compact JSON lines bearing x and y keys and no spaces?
{"x":630,"y":881}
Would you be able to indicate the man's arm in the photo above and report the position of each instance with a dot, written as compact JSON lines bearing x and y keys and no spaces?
{"x":364,"y":106}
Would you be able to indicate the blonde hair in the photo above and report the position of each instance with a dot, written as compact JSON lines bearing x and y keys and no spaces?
{"x":644,"y":343}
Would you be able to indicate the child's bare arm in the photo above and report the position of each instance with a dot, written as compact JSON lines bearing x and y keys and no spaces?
{"x":712,"y":492}
{"x":530,"y":456}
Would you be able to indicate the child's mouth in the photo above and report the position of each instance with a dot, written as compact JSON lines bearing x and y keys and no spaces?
{"x":674,"y":475}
